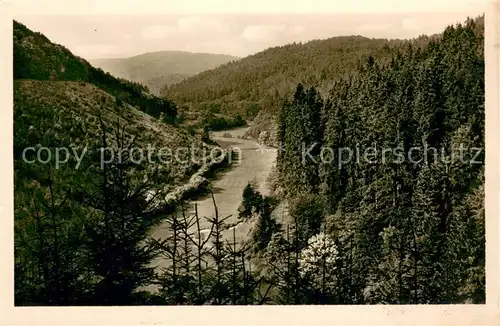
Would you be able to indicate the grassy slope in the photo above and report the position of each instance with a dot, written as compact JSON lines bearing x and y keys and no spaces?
{"x":157,"y":69}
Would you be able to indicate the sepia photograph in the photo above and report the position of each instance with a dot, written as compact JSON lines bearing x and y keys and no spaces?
{"x":237,"y":159}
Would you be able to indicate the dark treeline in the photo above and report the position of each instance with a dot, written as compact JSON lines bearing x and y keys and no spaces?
{"x":35,"y":57}
{"x":408,"y":230}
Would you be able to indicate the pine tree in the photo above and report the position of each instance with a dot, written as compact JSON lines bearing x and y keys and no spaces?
{"x":266,"y":225}
{"x":252,"y":202}
{"x":118,"y":230}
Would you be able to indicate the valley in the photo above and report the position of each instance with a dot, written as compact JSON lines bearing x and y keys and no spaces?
{"x":269,"y":223}
{"x":253,"y":164}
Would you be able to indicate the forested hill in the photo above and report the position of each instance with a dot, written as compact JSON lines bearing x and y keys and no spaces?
{"x":406,"y":206}
{"x":263,"y":79}
{"x":35,"y":57}
{"x":157,"y":69}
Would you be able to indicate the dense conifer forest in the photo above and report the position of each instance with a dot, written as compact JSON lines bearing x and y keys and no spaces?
{"x":410,"y":227}
{"x":404,"y":224}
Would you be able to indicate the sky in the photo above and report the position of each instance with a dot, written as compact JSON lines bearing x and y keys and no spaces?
{"x":102,"y":34}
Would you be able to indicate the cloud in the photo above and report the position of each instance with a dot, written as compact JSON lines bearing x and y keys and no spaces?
{"x":191,"y":24}
{"x":298,"y":29}
{"x":233,"y":34}
{"x":201,"y":27}
{"x":262,"y":33}
{"x":373,"y":27}
{"x":411,"y":24}
{"x":158,"y":32}
{"x":96,"y":50}
{"x":128,"y":36}
{"x":280,"y":33}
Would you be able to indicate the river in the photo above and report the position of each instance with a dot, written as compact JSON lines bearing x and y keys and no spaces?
{"x":253,"y":165}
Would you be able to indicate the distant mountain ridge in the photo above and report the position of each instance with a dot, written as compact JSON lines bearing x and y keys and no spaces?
{"x":161,"y":68}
